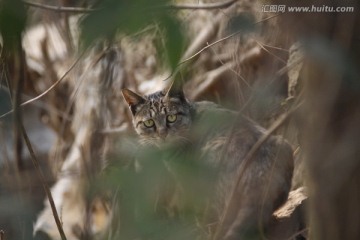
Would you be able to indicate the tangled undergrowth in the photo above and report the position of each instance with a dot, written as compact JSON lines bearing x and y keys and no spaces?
{"x":74,"y":67}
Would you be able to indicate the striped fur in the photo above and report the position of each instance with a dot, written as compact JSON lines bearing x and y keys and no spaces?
{"x":224,"y":138}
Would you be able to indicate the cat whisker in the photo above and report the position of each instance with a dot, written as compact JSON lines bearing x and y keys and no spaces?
{"x":146,"y":142}
{"x":184,"y":139}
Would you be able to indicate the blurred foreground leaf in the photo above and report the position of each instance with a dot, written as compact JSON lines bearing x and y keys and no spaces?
{"x":129,"y":17}
{"x":335,"y":59}
{"x":174,"y":40}
{"x":165,"y":197}
{"x":243,"y":22}
{"x":12,"y":21}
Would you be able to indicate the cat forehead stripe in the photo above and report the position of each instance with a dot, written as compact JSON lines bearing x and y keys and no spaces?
{"x":155,"y":96}
{"x":157,"y":106}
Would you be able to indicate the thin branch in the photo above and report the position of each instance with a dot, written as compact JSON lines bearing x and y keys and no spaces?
{"x":200,"y":51}
{"x":250,"y":54}
{"x":42,"y":105}
{"x":2,"y":235}
{"x":71,"y":100}
{"x":268,"y":18}
{"x":285,"y":69}
{"x":207,"y":6}
{"x":43,"y":181}
{"x":247,"y":160}
{"x":298,"y":233}
{"x":17,"y":58}
{"x":59,"y":8}
{"x":269,"y":46}
{"x":50,"y":88}
{"x":20,"y":130}
{"x":222,"y":39}
{"x":212,"y":44}
{"x":212,"y":77}
{"x":269,"y":52}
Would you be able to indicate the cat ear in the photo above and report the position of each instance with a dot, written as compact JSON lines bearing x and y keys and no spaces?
{"x":132,"y":99}
{"x":174,"y":91}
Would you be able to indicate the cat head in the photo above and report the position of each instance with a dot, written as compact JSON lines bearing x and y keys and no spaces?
{"x":160,"y":116}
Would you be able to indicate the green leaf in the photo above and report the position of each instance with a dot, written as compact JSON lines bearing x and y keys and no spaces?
{"x":120,"y":16}
{"x":128,"y":17}
{"x":174,"y":42}
{"x":12,"y":21}
{"x":244,"y":22}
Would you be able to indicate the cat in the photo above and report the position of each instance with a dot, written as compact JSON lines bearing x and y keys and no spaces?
{"x":224,"y":137}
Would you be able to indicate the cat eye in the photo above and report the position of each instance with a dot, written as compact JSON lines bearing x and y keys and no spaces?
{"x":171,"y":118}
{"x":149,"y":123}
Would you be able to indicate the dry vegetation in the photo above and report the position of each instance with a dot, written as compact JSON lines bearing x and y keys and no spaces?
{"x":295,"y":74}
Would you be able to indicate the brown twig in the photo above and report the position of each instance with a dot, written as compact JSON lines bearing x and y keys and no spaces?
{"x":2,"y":235}
{"x":269,"y":46}
{"x":280,"y":121}
{"x":59,"y":8}
{"x":221,"y":40}
{"x":16,"y":57}
{"x":207,"y":6}
{"x":43,"y":181}
{"x":212,"y":77}
{"x":298,"y":233}
{"x":269,"y":52}
{"x":285,"y":69}
{"x":19,"y":61}
{"x":73,"y":95}
{"x":50,"y":88}
{"x":8,"y":60}
{"x":210,"y":45}
{"x":198,"y":53}
{"x":42,"y":105}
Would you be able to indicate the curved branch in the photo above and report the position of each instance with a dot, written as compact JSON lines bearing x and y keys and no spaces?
{"x":208,"y":6}
{"x":59,"y":8}
{"x":49,"y":89}
{"x":41,"y":175}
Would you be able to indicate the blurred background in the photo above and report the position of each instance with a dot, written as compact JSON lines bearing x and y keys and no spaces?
{"x":64,"y":63}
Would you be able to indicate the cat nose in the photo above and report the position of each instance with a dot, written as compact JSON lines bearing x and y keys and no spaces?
{"x":162,"y":133}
